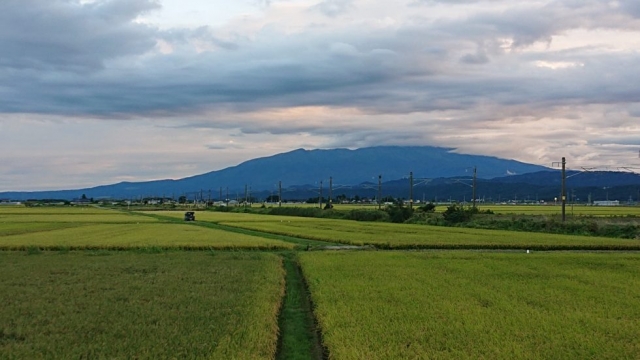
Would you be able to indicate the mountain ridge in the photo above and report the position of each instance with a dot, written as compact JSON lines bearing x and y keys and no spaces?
{"x":309,"y":167}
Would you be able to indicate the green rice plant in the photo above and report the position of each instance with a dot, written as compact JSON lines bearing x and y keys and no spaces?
{"x":113,"y":218}
{"x":407,"y":236}
{"x":577,"y":210}
{"x":144,"y":235}
{"x":172,"y":305}
{"x":53,"y":210}
{"x":7,"y":229}
{"x":476,"y":305}
{"x":70,"y":215}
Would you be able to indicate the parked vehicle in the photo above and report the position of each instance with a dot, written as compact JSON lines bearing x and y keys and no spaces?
{"x":190,"y":216}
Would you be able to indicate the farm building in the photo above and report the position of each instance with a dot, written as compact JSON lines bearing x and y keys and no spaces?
{"x":606,"y":203}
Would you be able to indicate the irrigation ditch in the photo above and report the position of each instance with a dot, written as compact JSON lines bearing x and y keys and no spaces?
{"x":300,"y":336}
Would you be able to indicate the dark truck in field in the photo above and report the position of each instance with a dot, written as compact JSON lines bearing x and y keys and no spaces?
{"x":190,"y":216}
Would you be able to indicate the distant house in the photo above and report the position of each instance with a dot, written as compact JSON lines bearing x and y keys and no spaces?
{"x":81,"y":201}
{"x":606,"y":203}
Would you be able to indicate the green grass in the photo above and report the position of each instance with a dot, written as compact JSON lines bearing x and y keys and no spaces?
{"x":127,"y":236}
{"x":298,"y":337}
{"x":474,"y":305}
{"x":129,"y":305}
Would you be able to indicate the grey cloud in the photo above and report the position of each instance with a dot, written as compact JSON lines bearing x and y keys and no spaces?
{"x":631,"y":7}
{"x":412,"y":68}
{"x":202,"y":33}
{"x":66,"y":35}
{"x":631,"y":140}
{"x":527,"y":23}
{"x":480,"y":57}
{"x":224,"y":146}
{"x":634,"y":110}
{"x":333,"y":8}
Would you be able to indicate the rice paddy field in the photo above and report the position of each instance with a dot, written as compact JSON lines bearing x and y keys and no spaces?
{"x":547,"y":209}
{"x":577,"y":210}
{"x":475,"y":305}
{"x":17,"y":214}
{"x":97,"y":283}
{"x":406,"y":236}
{"x":122,"y":305}
{"x":131,"y":236}
{"x":224,"y":217}
{"x":105,"y":229}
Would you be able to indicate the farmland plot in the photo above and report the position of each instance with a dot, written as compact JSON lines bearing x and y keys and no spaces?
{"x":406,"y":236}
{"x":105,"y":217}
{"x":125,"y":236}
{"x":227,"y":217}
{"x":577,"y":210}
{"x":131,"y":305}
{"x":474,"y":305}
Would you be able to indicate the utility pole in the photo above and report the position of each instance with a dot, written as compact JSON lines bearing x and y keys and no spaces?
{"x":330,"y":191}
{"x":411,"y":190}
{"x":379,"y":192}
{"x":245,"y":195}
{"x":220,"y":198}
{"x":227,"y":199}
{"x":279,"y":193}
{"x":474,"y":186}
{"x":564,"y":193}
{"x":320,"y":197}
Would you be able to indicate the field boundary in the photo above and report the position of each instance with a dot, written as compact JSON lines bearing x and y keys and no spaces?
{"x":299,"y":337}
{"x":303,"y":242}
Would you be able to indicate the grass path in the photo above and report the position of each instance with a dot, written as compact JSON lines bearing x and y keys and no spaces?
{"x":299,"y":338}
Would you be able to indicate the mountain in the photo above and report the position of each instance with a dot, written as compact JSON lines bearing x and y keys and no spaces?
{"x":309,"y":167}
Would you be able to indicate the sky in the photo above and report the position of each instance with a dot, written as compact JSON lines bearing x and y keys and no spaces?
{"x":98,"y":92}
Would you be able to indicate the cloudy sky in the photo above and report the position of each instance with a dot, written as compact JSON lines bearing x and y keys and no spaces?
{"x":97,"y":92}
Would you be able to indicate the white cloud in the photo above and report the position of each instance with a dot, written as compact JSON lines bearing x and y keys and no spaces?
{"x":555,"y":65}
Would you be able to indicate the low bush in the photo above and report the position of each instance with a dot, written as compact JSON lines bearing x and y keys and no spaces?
{"x":367,"y":215}
{"x":296,"y":211}
{"x":399,"y":213}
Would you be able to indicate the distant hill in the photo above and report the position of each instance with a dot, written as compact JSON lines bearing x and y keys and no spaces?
{"x":574,"y":178}
{"x":309,"y":167}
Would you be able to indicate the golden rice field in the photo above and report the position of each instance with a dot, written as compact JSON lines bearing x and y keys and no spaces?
{"x":577,"y":210}
{"x":399,"y":236}
{"x":475,"y":305}
{"x":73,"y":228}
{"x":151,"y":303}
{"x":227,"y":217}
{"x":124,"y":236}
{"x":68,"y":215}
{"x":128,"y":305}
{"x":54,"y":210}
{"x":548,"y":209}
